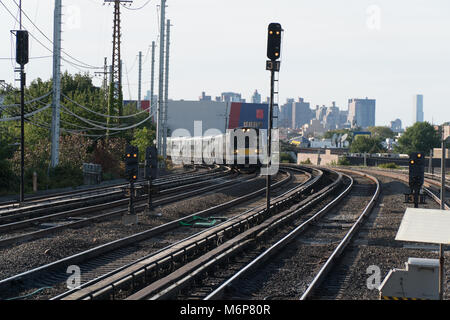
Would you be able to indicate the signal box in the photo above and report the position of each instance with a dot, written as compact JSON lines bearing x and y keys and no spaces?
{"x":132,"y":162}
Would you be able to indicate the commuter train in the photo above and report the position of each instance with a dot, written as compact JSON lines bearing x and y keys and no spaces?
{"x":243,"y":147}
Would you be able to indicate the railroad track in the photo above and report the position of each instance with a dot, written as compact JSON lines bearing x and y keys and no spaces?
{"x":167,"y":266}
{"x":128,"y":248}
{"x":431,"y":185}
{"x":35,"y":228}
{"x":34,"y":200}
{"x":95,"y":196}
{"x":284,"y":268}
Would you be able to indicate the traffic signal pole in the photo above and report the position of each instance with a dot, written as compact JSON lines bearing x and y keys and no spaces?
{"x":269,"y":140}
{"x":273,"y":53}
{"x":22,"y":134}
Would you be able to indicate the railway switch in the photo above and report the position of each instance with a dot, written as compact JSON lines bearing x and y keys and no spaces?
{"x":418,"y":281}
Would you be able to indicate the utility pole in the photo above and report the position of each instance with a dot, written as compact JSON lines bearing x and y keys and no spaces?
{"x":166,"y":92}
{"x":105,"y":73}
{"x":161,"y":78}
{"x":152,"y":80}
{"x":115,"y":91}
{"x":140,"y":81}
{"x":441,"y":247}
{"x":56,"y":107}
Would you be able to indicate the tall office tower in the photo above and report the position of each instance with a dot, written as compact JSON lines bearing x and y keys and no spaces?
{"x":332,"y":117}
{"x":301,"y":113}
{"x":285,"y":116}
{"x":418,"y":108}
{"x":256,"y":98}
{"x":231,"y":97}
{"x":320,"y":112}
{"x":361,"y":112}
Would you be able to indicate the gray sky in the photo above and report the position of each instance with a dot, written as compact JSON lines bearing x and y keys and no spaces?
{"x":332,"y":50}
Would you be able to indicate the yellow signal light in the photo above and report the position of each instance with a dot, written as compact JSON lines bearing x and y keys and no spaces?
{"x":135,"y":155}
{"x":134,"y":177}
{"x":276,"y":54}
{"x":412,"y":162}
{"x":128,"y":155}
{"x":419,"y":155}
{"x":270,"y":32}
{"x":278,"y":32}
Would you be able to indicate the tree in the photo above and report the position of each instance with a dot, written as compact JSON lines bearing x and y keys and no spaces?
{"x":421,"y":137}
{"x":382,"y":132}
{"x":143,"y":138}
{"x":364,"y":144}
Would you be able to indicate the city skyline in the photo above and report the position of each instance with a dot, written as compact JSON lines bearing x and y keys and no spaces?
{"x":330,"y":52}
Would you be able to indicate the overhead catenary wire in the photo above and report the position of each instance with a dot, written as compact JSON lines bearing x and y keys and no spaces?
{"x":141,"y":7}
{"x":80,"y":63}
{"x":103,"y":127}
{"x":102,"y":114}
{"x":26,"y":115}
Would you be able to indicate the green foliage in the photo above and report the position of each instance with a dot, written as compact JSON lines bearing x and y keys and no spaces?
{"x":420,"y":137}
{"x":329,"y":134}
{"x":9,"y":183}
{"x":286,"y":158}
{"x":382,"y":132}
{"x":307,"y":161}
{"x":390,"y":165}
{"x":364,"y":144}
{"x":343,"y":161}
{"x":143,"y":138}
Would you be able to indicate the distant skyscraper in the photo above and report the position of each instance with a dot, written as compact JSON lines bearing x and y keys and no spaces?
{"x":231,"y":97}
{"x":396,"y":125}
{"x":204,"y":97}
{"x":256,"y":98}
{"x":301,"y":113}
{"x":361,"y":112}
{"x":418,"y":108}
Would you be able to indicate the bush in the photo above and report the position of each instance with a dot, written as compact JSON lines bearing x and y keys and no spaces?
{"x":286,"y":158}
{"x":307,"y":161}
{"x":9,"y":182}
{"x":343,"y":162}
{"x":390,"y":165}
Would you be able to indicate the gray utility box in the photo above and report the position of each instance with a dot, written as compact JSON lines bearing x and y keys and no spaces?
{"x":92,"y":173}
{"x":420,"y":280}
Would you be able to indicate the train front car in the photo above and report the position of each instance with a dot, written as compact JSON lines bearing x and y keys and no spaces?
{"x":247,"y":145}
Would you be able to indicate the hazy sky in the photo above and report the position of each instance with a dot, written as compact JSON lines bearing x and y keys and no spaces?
{"x":332,"y":50}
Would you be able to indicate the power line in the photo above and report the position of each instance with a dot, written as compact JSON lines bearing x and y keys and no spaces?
{"x":143,"y":6}
{"x":80,"y":64}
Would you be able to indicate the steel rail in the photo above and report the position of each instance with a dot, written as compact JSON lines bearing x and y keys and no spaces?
{"x":102,"y":249}
{"x":343,"y":244}
{"x":166,"y":287}
{"x":76,"y":212}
